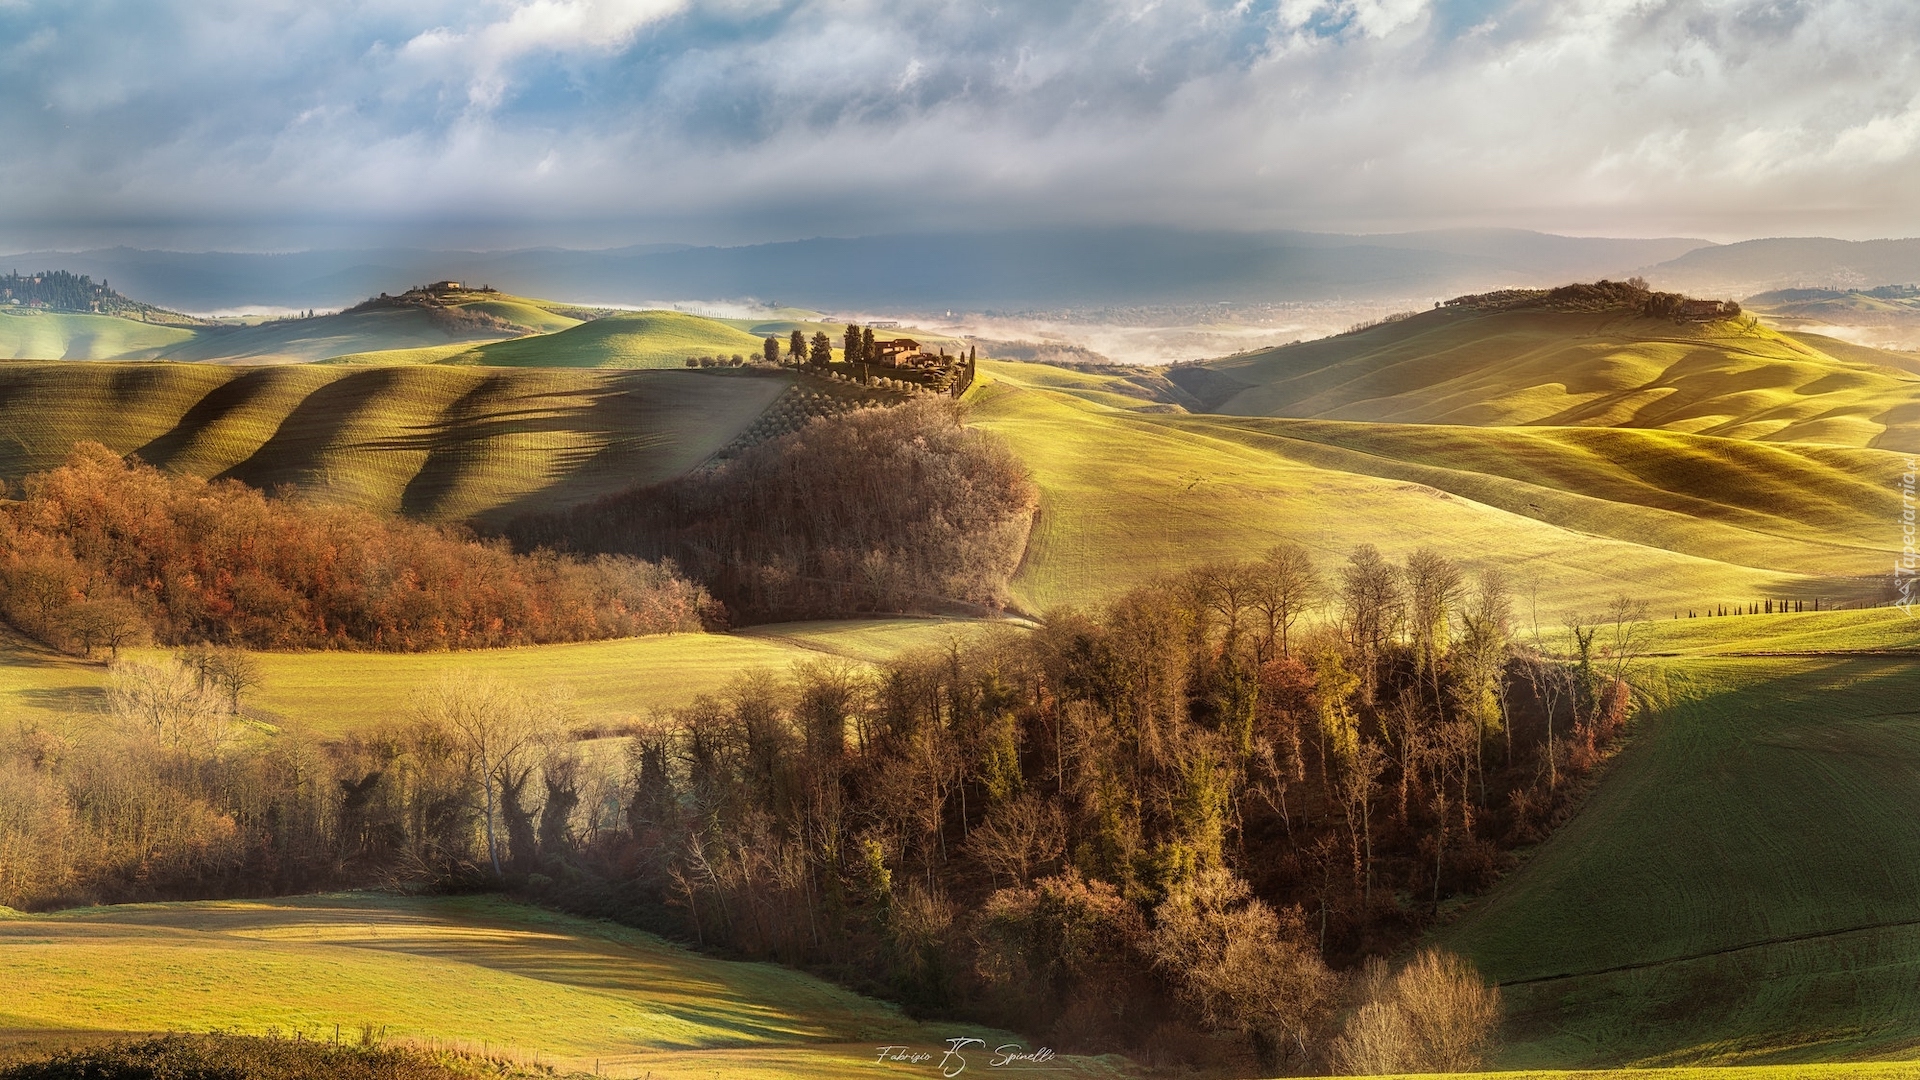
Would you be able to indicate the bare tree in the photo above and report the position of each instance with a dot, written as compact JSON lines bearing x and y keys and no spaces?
{"x":226,"y":670}
{"x":1434,"y":590}
{"x":1371,"y":611}
{"x":1434,"y":1015}
{"x":1285,"y":588}
{"x":499,"y":730}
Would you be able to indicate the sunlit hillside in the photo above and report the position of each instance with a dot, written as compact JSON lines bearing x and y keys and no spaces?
{"x":1131,"y":488}
{"x":481,"y":975}
{"x":1732,"y":378}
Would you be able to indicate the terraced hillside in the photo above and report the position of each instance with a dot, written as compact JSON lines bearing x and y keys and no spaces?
{"x":1743,"y":885}
{"x":1732,"y":378}
{"x":476,"y":974}
{"x":1132,"y":488}
{"x":440,"y":443}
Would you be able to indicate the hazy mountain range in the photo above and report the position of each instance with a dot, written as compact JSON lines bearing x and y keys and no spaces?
{"x":1006,"y":270}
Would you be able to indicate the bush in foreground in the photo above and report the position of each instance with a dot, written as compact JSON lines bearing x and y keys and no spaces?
{"x":242,"y":1057}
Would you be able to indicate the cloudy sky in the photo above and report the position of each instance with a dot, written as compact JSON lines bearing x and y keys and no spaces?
{"x":279,"y":123}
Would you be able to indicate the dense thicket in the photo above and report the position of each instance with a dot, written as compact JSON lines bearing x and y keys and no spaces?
{"x":101,"y":551}
{"x":883,"y":509}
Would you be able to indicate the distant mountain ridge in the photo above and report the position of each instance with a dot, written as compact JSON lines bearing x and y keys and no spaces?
{"x":1007,"y":270}
{"x":1754,"y":266}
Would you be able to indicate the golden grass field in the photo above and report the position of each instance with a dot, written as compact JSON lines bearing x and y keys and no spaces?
{"x":476,"y":974}
{"x":1736,"y":379}
{"x":605,"y":685}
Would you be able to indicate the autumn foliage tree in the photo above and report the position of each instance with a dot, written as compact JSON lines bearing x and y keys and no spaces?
{"x":102,"y":552}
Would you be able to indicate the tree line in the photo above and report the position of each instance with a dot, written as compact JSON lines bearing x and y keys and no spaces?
{"x":1190,"y":824}
{"x":880,"y":509}
{"x":102,"y":552}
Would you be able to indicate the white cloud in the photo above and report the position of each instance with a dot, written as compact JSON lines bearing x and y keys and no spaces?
{"x":733,"y":119}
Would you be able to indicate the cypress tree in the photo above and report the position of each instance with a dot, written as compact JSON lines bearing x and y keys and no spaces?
{"x":852,"y":352}
{"x":771,"y":349}
{"x":822,"y":349}
{"x":797,"y":346}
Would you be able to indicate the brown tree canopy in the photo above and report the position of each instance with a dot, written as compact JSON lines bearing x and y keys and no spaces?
{"x":884,"y":509}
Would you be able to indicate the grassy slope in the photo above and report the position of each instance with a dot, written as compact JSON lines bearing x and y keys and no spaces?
{"x":608,"y":683}
{"x":1128,"y":493}
{"x":471,"y":973}
{"x":435,"y":442}
{"x":1744,"y":885}
{"x":61,"y":336}
{"x":294,"y":341}
{"x":641,"y":339}
{"x":1733,"y":379}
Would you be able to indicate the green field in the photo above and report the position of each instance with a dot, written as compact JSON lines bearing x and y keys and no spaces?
{"x":606,"y":684}
{"x":1131,"y":490}
{"x":50,"y":335}
{"x":475,"y":974}
{"x":1735,"y":379}
{"x":439,"y":443}
{"x":640,"y":339}
{"x":1742,"y":887}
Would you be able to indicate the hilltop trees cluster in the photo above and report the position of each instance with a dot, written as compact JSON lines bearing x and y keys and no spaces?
{"x":1632,"y":295}
{"x":102,"y":552}
{"x":880,"y":509}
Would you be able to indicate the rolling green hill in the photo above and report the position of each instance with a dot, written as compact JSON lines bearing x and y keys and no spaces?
{"x":641,"y":339}
{"x":1131,"y":489}
{"x":31,"y":335}
{"x":48,"y":335}
{"x":440,"y":443}
{"x":1732,"y":378}
{"x":1742,"y":886}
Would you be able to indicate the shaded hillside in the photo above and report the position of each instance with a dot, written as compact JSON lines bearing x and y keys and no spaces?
{"x":1742,"y":887}
{"x":1526,"y":365}
{"x":437,"y":443}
